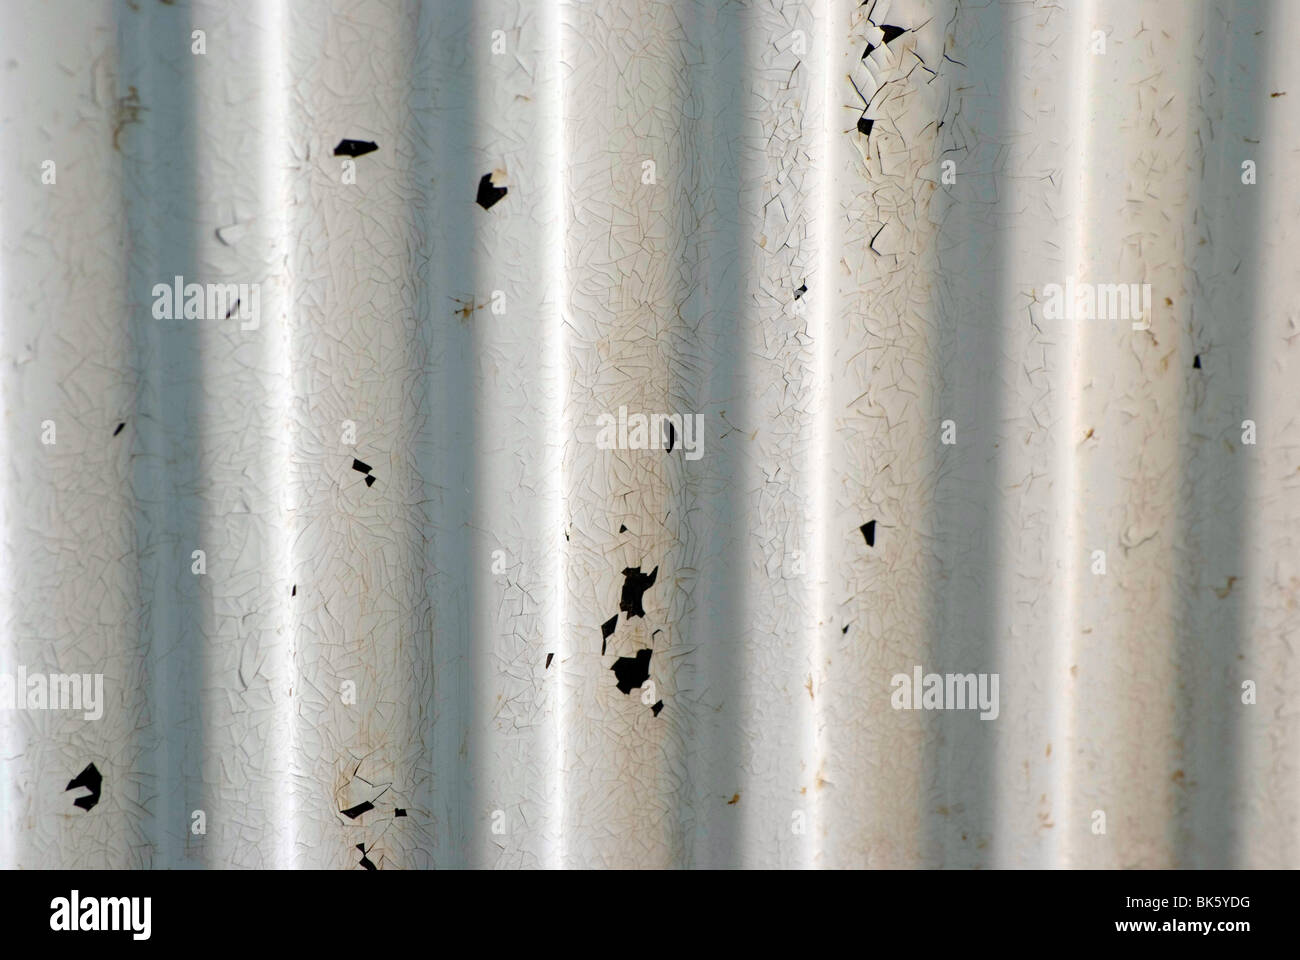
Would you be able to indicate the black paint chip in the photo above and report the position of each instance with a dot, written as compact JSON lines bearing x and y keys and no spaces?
{"x":399,"y":812}
{"x":355,"y":148}
{"x":845,"y":629}
{"x":353,"y":812}
{"x":488,"y":193}
{"x":891,"y":33}
{"x":1196,"y":364}
{"x":672,"y":437}
{"x":635,"y":584}
{"x":370,"y":481}
{"x":549,"y":657}
{"x":607,"y":631}
{"x":632,"y":671}
{"x":657,"y":707}
{"x":622,"y":528}
{"x":360,"y":467}
{"x":92,"y":780}
{"x":120,"y":426}
{"x":365,"y":861}
{"x":869,"y":532}
{"x":867,"y":52}
{"x":294,"y":591}
{"x":803,"y":288}
{"x":865,"y":125}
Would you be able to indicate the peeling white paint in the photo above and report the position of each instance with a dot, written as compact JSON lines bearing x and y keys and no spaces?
{"x":694,"y":225}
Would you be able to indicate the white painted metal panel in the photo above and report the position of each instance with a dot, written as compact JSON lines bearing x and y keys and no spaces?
{"x":829,"y":231}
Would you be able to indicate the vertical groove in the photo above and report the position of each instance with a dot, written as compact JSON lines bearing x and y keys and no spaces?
{"x":556,"y":417}
{"x":160,"y":171}
{"x":1067,"y":438}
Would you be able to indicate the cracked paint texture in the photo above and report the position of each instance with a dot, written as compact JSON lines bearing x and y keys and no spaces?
{"x":741,"y":211}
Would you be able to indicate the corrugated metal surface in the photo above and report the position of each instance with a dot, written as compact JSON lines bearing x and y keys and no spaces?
{"x":741,"y":212}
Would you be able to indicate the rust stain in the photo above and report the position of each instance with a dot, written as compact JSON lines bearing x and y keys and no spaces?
{"x":1227,"y":589}
{"x":734,"y":800}
{"x":467,"y":307}
{"x":126,"y":110}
